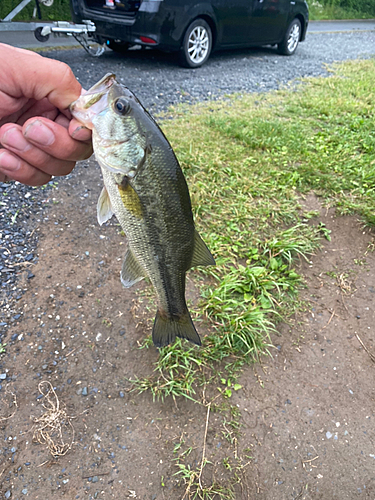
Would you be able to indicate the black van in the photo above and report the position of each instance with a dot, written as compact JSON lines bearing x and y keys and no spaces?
{"x":195,"y":28}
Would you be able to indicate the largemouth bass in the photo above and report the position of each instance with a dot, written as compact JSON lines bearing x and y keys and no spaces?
{"x":145,"y":188}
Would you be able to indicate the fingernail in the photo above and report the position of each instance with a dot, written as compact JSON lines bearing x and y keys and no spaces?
{"x":13,"y":138}
{"x":82,"y":132}
{"x":9,"y":162}
{"x":39,"y":133}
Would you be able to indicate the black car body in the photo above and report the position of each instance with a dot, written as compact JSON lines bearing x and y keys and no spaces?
{"x":165,"y":24}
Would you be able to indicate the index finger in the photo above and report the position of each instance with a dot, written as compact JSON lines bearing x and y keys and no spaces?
{"x":27,"y":74}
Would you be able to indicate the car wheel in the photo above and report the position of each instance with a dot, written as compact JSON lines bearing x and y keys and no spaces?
{"x":289,"y":44}
{"x":119,"y":46}
{"x":196,"y":45}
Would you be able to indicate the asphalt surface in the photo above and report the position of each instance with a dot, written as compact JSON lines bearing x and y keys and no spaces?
{"x":26,"y":39}
{"x":341,"y":26}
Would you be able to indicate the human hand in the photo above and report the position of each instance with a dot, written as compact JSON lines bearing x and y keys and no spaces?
{"x":38,"y":138}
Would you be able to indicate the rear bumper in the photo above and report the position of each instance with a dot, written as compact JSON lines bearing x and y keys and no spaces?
{"x":150,"y":21}
{"x":304,"y":31}
{"x":305,"y":24}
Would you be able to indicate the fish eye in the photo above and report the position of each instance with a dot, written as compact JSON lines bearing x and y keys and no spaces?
{"x":121,"y":106}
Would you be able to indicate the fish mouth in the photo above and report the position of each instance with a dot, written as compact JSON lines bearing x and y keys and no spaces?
{"x":93,"y":101}
{"x":96,"y":92}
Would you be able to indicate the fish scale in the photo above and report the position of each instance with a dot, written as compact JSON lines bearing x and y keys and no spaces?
{"x":164,"y":260}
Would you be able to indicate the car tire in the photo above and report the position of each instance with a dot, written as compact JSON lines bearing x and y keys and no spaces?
{"x":196,"y":45}
{"x":292,"y":36}
{"x":119,"y":47}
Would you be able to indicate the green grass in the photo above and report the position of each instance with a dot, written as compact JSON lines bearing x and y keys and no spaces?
{"x":340,"y":9}
{"x":249,"y":161}
{"x":59,"y":11}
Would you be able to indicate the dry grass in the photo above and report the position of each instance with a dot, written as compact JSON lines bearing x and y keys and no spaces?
{"x":54,"y":428}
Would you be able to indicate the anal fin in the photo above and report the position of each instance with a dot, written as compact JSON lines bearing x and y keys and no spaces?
{"x":131,"y":271}
{"x":201,"y":255}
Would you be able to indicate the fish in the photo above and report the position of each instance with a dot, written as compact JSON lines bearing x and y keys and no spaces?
{"x":144,"y":187}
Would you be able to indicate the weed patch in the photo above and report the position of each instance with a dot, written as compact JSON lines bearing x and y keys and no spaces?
{"x":249,"y":161}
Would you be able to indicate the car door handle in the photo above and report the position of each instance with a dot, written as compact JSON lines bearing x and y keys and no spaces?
{"x":293,"y":3}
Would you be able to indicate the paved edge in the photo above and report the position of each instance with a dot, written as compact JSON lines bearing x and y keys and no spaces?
{"x":342,"y":21}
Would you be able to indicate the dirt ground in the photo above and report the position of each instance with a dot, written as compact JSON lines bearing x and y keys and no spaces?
{"x":307,"y":414}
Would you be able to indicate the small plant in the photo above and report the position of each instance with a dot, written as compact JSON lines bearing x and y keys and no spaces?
{"x":360,"y":262}
{"x":14,"y":217}
{"x":231,"y":430}
{"x":325,"y":231}
{"x":226,"y":463}
{"x":227,"y":391}
{"x":190,"y":478}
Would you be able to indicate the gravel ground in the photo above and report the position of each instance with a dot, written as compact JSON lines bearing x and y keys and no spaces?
{"x":159,"y":83}
{"x":319,"y":400}
{"x":18,"y":205}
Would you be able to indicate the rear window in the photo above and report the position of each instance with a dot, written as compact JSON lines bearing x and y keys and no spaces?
{"x":115,"y":6}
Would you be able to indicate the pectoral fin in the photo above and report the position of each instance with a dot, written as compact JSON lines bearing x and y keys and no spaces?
{"x":201,"y":255}
{"x":130,"y":199}
{"x":104,"y":207}
{"x":131,"y":271}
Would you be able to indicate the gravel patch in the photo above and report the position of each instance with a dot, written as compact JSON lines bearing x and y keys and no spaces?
{"x":21,"y":212}
{"x":159,"y":82}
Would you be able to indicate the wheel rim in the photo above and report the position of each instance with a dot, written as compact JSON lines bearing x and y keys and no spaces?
{"x":198,"y":44}
{"x":293,"y":38}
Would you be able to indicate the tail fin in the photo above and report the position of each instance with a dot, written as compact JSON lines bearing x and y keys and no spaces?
{"x":166,"y":329}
